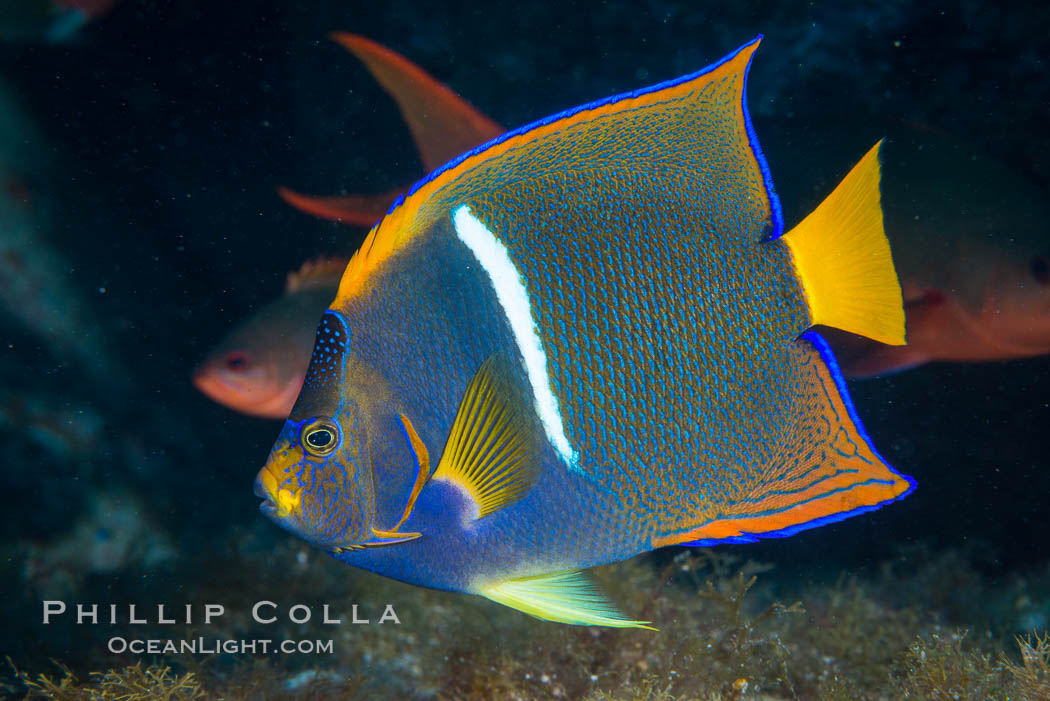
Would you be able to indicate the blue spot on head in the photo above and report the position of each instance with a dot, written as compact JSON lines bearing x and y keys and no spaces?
{"x":326,"y":363}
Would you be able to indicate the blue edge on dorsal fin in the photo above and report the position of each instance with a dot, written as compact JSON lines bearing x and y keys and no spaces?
{"x":840,"y":383}
{"x":778,"y":218}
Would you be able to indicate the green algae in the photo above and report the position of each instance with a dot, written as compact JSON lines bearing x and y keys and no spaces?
{"x":946,"y":667}
{"x":134,"y":683}
{"x":1033,"y":674}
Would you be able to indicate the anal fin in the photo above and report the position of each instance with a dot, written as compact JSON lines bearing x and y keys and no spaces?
{"x":827,"y":469}
{"x":562,"y":597}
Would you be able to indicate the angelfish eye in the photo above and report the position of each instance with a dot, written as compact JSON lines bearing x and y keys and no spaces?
{"x":319,"y":437}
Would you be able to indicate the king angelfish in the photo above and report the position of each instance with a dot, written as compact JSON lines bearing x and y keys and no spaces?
{"x":583,"y":340}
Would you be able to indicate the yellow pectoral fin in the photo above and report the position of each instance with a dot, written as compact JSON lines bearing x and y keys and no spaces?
{"x":491,"y":452}
{"x":562,"y":597}
{"x":843,"y":259}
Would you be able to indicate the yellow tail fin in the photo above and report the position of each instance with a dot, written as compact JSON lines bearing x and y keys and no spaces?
{"x":843,"y":259}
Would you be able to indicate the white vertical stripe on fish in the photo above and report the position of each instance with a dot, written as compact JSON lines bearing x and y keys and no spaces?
{"x":513,"y":297}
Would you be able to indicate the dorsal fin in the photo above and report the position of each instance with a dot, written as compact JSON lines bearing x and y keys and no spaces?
{"x":442,"y":123}
{"x":315,"y":274}
{"x":596,"y":135}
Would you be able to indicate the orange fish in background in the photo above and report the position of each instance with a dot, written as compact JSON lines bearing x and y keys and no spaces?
{"x":258,"y":368}
{"x":974,"y":251}
{"x":970,"y":238}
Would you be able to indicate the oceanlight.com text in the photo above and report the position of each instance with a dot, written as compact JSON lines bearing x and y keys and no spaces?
{"x":216,"y":646}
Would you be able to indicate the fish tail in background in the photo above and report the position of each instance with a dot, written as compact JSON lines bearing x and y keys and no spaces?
{"x":319,"y":273}
{"x":843,"y":258}
{"x":355,"y":210}
{"x":882,"y":361}
{"x":861,"y":357}
{"x":442,"y":123}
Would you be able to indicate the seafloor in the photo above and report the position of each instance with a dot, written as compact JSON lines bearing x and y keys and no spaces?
{"x":918,"y":626}
{"x":155,"y":137}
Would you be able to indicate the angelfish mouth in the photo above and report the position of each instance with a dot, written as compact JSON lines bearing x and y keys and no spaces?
{"x":282,"y":496}
{"x":268,"y":507}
